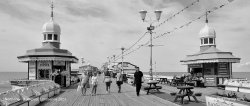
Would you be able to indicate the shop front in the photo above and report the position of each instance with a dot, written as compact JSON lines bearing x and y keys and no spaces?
{"x":213,"y":73}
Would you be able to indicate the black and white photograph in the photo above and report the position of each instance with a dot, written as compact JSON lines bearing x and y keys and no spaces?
{"x":124,"y":53}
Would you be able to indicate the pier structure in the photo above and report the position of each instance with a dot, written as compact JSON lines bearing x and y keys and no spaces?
{"x":49,"y":62}
{"x":212,"y":64}
{"x":127,"y":97}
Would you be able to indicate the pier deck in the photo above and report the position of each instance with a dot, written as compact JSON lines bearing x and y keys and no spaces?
{"x":70,"y":97}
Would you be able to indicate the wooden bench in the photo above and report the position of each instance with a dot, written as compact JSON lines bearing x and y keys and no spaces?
{"x":179,"y":96}
{"x":157,"y":87}
{"x":152,"y":87}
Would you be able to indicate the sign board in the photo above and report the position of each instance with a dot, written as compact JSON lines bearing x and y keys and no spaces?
{"x":32,"y":70}
{"x":44,"y":65}
{"x":210,"y":81}
{"x":59,"y":63}
{"x":195,"y":65}
{"x":216,"y":101}
{"x":223,"y":68}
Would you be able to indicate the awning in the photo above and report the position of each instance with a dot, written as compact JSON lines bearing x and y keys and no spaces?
{"x":26,"y":59}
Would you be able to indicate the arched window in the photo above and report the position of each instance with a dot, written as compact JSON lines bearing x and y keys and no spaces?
{"x":55,"y":37}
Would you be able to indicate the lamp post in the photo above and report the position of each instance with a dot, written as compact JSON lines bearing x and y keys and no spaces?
{"x":122,"y":48}
{"x":150,"y":31}
{"x":108,"y":62}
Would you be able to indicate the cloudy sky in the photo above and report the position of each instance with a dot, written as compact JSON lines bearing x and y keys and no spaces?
{"x":96,"y":29}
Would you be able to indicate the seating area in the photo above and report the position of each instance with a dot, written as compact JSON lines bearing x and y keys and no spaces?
{"x":153,"y":87}
{"x":31,"y":95}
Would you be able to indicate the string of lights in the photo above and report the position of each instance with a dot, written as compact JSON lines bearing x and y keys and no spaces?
{"x":168,"y":19}
{"x":145,"y":44}
{"x":190,"y":22}
{"x":132,"y":45}
{"x":180,"y":27}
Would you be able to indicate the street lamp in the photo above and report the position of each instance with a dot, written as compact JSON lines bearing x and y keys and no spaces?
{"x":82,"y":60}
{"x":150,"y":30}
{"x":122,"y":48}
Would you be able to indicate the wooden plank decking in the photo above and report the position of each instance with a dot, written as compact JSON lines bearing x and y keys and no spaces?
{"x":70,"y":97}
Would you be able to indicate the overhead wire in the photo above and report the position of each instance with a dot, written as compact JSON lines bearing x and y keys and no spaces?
{"x":171,"y":17}
{"x":180,"y":27}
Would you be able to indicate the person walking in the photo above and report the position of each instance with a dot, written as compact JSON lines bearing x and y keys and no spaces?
{"x":119,"y":81}
{"x":107,"y":80}
{"x":94,"y":81}
{"x":84,"y":82}
{"x":138,"y":80}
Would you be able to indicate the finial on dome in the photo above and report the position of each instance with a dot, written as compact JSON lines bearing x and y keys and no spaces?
{"x":52,"y":14}
{"x":206,"y":17}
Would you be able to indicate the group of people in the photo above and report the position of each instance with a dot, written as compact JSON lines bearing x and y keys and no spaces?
{"x":85,"y":80}
{"x":197,"y":80}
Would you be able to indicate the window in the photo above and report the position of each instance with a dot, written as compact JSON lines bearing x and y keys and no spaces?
{"x":49,"y":36}
{"x":211,"y":41}
{"x":206,"y":41}
{"x":44,"y":36}
{"x":201,"y":41}
{"x":55,"y":37}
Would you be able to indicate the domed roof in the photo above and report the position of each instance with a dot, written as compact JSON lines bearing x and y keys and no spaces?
{"x":51,"y":27}
{"x":207,"y":31}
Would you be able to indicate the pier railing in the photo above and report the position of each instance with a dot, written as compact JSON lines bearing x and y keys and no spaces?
{"x":30,"y":95}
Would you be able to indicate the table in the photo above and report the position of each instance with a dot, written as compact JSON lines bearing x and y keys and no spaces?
{"x":152,"y":87}
{"x":177,"y":82}
{"x":185,"y":91}
{"x":163,"y":80}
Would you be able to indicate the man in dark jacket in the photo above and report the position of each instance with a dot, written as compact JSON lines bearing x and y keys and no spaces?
{"x":137,"y":80}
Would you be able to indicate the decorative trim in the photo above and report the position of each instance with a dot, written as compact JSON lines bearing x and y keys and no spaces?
{"x":211,"y":61}
{"x":26,"y":59}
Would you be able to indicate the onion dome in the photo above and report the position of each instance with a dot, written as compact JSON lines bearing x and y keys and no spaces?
{"x":51,"y":27}
{"x":207,"y":31}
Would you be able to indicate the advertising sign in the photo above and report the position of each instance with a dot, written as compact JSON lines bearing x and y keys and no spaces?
{"x":195,"y":65}
{"x":44,"y":65}
{"x":59,"y":63}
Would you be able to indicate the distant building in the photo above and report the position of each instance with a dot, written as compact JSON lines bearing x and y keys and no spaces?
{"x":210,"y":63}
{"x":47,"y":62}
{"x":87,"y":68}
{"x":127,"y":67}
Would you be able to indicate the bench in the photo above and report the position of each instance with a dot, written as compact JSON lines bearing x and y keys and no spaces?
{"x":152,"y":87}
{"x":148,"y":88}
{"x":221,"y":86}
{"x":179,"y":96}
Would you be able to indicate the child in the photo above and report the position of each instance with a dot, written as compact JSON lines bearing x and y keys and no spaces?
{"x":94,"y":83}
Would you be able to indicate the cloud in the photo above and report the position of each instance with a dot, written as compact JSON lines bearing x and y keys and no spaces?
{"x":89,"y":10}
{"x":23,"y":11}
{"x":95,"y":29}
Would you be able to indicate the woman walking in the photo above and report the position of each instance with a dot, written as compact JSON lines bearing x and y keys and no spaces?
{"x":84,"y":82}
{"x":107,"y":80}
{"x":119,"y":81}
{"x":94,"y":81}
